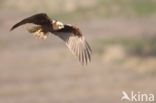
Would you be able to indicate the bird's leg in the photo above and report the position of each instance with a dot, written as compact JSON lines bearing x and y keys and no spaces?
{"x":41,"y":35}
{"x":34,"y":29}
{"x":38,"y":33}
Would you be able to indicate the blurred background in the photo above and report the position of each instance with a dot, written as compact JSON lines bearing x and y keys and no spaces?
{"x":121,"y":33}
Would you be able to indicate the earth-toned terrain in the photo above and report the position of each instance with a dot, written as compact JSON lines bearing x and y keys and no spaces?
{"x":38,"y":71}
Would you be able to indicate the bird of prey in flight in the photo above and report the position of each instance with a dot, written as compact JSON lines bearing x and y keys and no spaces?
{"x":71,"y":35}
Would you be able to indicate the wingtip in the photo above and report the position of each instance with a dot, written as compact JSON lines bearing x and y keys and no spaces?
{"x":11,"y":29}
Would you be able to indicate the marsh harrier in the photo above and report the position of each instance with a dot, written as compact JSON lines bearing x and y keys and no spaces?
{"x":71,"y":35}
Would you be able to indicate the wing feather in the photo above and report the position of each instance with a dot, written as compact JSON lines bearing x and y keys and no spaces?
{"x":38,"y":19}
{"x":76,"y":44}
{"x":20,"y":23}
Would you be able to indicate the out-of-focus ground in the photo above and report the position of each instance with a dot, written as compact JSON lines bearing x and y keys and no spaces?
{"x":121,"y":34}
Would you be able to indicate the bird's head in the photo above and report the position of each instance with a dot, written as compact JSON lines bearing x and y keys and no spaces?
{"x":57,"y":25}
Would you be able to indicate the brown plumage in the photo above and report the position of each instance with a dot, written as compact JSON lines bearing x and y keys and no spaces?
{"x":72,"y":36}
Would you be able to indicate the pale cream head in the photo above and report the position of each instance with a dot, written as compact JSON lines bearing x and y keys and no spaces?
{"x":57,"y":25}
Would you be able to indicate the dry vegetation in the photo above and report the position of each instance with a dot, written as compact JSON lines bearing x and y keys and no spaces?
{"x":122,"y":36}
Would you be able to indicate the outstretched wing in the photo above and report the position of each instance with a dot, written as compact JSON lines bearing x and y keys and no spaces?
{"x":38,"y":19}
{"x":76,"y":43}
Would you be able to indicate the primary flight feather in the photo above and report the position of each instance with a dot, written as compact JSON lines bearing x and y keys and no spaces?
{"x":71,"y":35}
